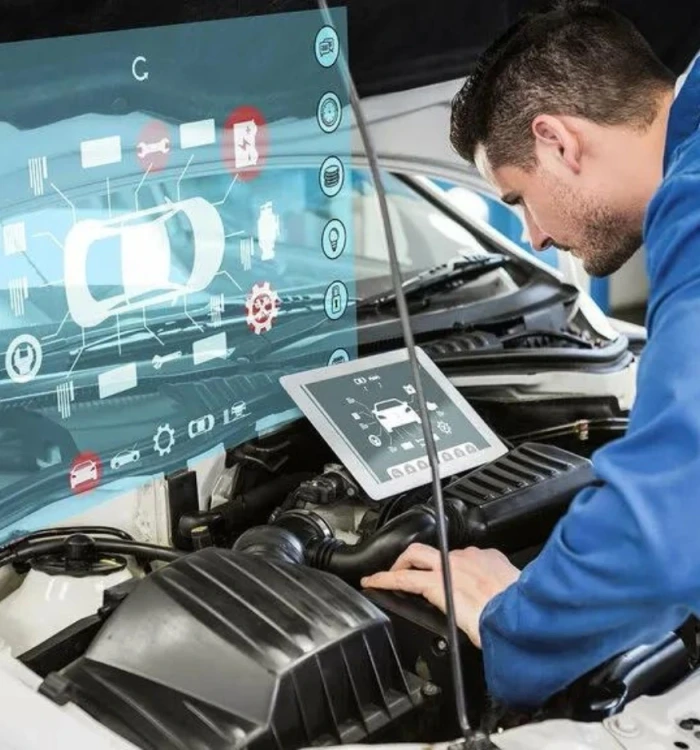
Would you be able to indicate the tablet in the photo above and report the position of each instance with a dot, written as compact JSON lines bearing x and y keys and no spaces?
{"x":367,"y":412}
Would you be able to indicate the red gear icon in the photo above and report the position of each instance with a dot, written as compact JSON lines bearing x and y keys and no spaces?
{"x":262,"y":307}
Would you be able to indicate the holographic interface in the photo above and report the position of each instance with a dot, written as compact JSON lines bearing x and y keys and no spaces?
{"x":166,"y":255}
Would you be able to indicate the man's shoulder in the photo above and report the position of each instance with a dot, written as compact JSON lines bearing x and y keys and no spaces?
{"x":686,"y":158}
{"x":682,"y":180}
{"x":672,"y":229}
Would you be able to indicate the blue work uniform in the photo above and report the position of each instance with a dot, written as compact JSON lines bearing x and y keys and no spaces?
{"x":622,"y":568}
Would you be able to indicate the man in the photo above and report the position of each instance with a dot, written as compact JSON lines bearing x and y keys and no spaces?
{"x":571,"y":116}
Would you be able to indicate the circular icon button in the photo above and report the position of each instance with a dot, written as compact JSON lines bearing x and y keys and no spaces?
{"x":338,"y":357}
{"x":23,"y":358}
{"x":331,"y":176}
{"x":336,"y":300}
{"x":329,"y":112}
{"x":333,"y":239}
{"x":327,"y":46}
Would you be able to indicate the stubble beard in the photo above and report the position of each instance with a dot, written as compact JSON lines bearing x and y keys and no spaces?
{"x":607,"y":238}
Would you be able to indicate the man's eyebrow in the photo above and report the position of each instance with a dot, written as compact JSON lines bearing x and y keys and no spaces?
{"x":510,"y":198}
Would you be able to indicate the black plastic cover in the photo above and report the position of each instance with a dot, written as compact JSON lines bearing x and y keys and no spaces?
{"x":516,"y":500}
{"x":222,"y":650}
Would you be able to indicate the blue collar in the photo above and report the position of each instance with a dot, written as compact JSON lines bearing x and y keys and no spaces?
{"x":684,"y":118}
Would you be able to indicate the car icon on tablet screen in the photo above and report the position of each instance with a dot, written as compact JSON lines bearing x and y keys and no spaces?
{"x":393,"y":413}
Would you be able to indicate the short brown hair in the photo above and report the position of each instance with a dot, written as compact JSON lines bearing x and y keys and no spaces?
{"x":576,"y":58}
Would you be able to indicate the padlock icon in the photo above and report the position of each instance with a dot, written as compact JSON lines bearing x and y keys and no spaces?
{"x":336,"y":300}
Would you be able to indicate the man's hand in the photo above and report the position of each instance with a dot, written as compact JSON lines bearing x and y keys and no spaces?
{"x":477,"y":576}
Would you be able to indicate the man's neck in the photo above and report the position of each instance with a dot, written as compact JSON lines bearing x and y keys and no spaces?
{"x":653,"y":146}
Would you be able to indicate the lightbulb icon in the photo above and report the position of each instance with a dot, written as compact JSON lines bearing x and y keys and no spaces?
{"x":334,"y":239}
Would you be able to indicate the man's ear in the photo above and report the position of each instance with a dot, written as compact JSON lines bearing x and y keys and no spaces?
{"x":555,"y":139}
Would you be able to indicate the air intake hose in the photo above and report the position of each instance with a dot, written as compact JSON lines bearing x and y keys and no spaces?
{"x":379,"y":552}
{"x":301,"y":536}
{"x":287,"y":539}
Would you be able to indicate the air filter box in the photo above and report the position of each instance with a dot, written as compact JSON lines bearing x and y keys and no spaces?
{"x":224,"y":650}
{"x":515,"y":501}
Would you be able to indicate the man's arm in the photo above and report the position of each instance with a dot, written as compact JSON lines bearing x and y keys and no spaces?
{"x":623,"y":566}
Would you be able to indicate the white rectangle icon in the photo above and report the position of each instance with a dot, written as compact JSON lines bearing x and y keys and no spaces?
{"x":118,"y":380}
{"x":38,"y":173}
{"x":212,"y":347}
{"x":14,"y":238}
{"x":19,"y":292}
{"x":200,"y":133}
{"x":101,"y":151}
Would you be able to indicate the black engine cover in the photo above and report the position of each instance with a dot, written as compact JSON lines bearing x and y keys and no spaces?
{"x":222,"y":650}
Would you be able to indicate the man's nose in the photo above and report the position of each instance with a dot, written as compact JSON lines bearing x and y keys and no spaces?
{"x":538,"y":239}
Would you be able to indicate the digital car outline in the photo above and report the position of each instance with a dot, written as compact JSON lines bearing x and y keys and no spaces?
{"x":83,"y":472}
{"x":400,"y":414}
{"x":124,"y":458}
{"x":146,"y":228}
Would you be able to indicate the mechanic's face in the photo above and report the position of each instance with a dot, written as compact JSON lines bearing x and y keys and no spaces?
{"x":577,"y":198}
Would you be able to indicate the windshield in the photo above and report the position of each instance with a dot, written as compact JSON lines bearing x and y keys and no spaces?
{"x":425,"y":236}
{"x":158,"y":248}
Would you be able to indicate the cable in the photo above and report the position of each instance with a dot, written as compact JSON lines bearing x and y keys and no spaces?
{"x":65,"y":531}
{"x":146,"y":551}
{"x":121,"y":546}
{"x":453,"y":636}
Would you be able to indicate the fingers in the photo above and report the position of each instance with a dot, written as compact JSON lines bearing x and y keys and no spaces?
{"x":485,"y":569}
{"x":422,"y":582}
{"x":429,"y":585}
{"x":477,"y":576}
{"x":418,"y":556}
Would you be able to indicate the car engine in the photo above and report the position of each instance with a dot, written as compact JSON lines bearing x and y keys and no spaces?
{"x":251,"y":629}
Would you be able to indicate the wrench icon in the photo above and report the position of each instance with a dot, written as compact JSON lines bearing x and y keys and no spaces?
{"x":158,"y":147}
{"x":159,"y":361}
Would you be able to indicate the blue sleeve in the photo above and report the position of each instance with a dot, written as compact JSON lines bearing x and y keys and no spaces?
{"x":621,"y":568}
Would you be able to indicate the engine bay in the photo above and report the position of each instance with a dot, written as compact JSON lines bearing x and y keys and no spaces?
{"x":250,"y":628}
